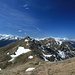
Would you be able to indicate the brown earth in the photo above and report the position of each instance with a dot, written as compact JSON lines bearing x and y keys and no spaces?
{"x":66,"y":67}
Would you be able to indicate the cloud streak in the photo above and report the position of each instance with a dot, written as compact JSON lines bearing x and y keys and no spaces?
{"x":18,"y":21}
{"x":26,"y":6}
{"x":19,"y":31}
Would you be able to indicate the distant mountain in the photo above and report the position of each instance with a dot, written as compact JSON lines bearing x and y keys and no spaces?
{"x":7,"y":39}
{"x":26,"y":54}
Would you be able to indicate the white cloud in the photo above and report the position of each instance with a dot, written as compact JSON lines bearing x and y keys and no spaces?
{"x":38,"y":29}
{"x":26,"y":8}
{"x":20,"y":23}
{"x":25,"y":33}
{"x":19,"y":30}
{"x":25,"y":5}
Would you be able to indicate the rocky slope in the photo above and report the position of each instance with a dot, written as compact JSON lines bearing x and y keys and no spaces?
{"x":25,"y":56}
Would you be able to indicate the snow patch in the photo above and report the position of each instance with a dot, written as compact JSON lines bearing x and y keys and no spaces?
{"x":29,"y":69}
{"x":61,"y":54}
{"x":68,"y":47}
{"x":30,"y":57}
{"x":38,"y":39}
{"x":72,"y":42}
{"x":19,"y":51}
{"x":26,"y":40}
{"x":0,"y":69}
{"x":46,"y":55}
{"x":11,"y":59}
{"x":45,"y":59}
{"x":27,"y":44}
{"x":8,"y":53}
{"x":48,"y":44}
{"x":42,"y":47}
{"x":58,"y":41}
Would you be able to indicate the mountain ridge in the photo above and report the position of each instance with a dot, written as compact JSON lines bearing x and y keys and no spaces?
{"x":31,"y":53}
{"x":9,"y":36}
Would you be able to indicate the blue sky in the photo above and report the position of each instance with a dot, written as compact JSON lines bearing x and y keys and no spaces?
{"x":38,"y":18}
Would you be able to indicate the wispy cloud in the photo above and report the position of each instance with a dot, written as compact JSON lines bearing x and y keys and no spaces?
{"x":38,"y":29}
{"x":26,"y":6}
{"x":25,"y":33}
{"x":19,"y":31}
{"x":17,"y":21}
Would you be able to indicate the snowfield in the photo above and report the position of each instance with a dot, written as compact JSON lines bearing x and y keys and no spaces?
{"x":19,"y":51}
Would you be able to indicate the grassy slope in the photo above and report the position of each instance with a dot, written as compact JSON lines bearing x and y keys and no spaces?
{"x":66,"y":67}
{"x":21,"y":63}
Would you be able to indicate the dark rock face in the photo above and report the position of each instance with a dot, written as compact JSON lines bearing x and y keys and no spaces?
{"x":50,"y":46}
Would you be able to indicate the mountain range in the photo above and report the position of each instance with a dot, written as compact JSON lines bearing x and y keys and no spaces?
{"x":26,"y":55}
{"x":6,"y":39}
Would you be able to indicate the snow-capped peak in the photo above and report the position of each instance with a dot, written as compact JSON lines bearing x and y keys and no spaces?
{"x":56,"y":39}
{"x":9,"y":37}
{"x":38,"y":39}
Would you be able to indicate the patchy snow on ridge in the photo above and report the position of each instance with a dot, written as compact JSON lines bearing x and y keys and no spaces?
{"x":45,"y":59}
{"x":29,"y":69}
{"x":26,"y":40}
{"x":56,"y":38}
{"x":48,"y":44}
{"x":27,"y":44}
{"x":58,"y":41}
{"x":38,"y":39}
{"x":11,"y":59}
{"x":61,"y":54}
{"x":46,"y":55}
{"x":19,"y":51}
